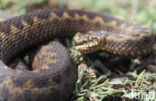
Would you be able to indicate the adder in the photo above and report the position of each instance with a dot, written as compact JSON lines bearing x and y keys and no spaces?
{"x":54,"y":74}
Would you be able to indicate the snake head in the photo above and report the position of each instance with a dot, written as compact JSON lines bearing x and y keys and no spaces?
{"x":89,"y":42}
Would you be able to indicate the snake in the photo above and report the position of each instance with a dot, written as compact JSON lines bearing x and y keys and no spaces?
{"x":54,"y":75}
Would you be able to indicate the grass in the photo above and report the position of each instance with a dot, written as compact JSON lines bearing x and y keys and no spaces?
{"x":97,"y":79}
{"x":132,"y":86}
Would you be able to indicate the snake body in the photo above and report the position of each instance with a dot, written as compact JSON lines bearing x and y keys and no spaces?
{"x":54,"y":81}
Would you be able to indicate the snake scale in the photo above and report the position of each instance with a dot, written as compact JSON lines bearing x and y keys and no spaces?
{"x":54,"y":76}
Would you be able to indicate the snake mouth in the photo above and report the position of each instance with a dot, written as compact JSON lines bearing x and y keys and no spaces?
{"x":88,"y":47}
{"x":88,"y":42}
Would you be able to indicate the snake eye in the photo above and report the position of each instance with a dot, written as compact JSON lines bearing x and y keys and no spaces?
{"x":92,"y":38}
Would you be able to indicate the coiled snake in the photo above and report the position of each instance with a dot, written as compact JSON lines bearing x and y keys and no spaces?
{"x":54,"y":80}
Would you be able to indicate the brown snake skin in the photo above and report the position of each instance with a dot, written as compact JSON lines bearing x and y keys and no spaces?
{"x":54,"y":76}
